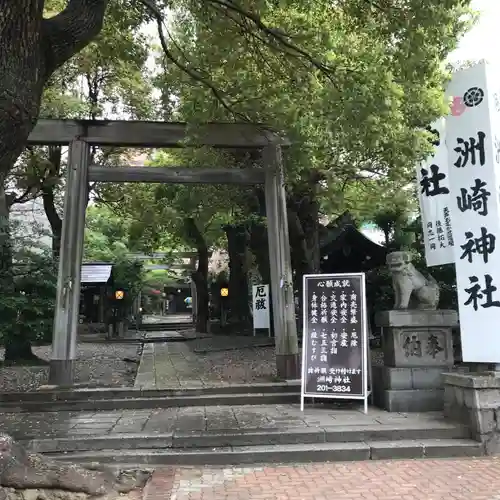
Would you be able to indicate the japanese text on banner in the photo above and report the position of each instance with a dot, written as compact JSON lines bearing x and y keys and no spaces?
{"x":474,"y":156}
{"x":434,"y":196}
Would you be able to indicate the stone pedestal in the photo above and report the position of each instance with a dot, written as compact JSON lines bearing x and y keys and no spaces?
{"x":473,"y":399}
{"x":418,"y":348}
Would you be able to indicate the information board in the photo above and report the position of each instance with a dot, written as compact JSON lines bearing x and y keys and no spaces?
{"x":335,"y":340}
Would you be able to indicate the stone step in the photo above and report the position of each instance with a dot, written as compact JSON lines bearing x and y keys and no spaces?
{"x":141,"y":403}
{"x":133,"y":338}
{"x":284,"y":453}
{"x":159,"y":327}
{"x":53,"y":394}
{"x":401,"y":432}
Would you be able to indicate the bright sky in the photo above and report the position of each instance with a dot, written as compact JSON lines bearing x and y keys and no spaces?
{"x":480,"y":42}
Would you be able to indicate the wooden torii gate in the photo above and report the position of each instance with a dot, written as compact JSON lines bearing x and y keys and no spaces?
{"x":80,"y":135}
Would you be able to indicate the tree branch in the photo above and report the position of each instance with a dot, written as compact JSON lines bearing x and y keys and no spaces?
{"x":255,"y":28}
{"x":25,"y":197}
{"x":49,"y":206}
{"x":194,"y":74}
{"x":70,"y":31}
{"x":281,"y":39}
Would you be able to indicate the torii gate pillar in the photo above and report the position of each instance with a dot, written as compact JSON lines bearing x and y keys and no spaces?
{"x":285,"y":327}
{"x":70,"y":265}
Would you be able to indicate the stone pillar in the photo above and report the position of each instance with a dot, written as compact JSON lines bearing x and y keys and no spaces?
{"x":473,"y":399}
{"x":70,"y":262}
{"x":418,"y":348}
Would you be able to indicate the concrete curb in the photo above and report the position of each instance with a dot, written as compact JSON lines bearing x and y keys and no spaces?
{"x":141,"y":403}
{"x":319,"y":452}
{"x":53,"y":393}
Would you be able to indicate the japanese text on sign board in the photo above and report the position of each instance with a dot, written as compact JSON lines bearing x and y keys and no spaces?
{"x":260,"y":298}
{"x":334,"y":336}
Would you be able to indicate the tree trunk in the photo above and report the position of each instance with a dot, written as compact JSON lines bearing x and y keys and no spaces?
{"x":258,"y":233}
{"x":31,"y":49}
{"x":22,"y":470}
{"x":18,"y":348}
{"x":303,"y":201}
{"x":54,"y":220}
{"x":302,"y":259}
{"x":304,"y":235}
{"x":303,"y":223}
{"x":259,"y":247}
{"x":309,"y":219}
{"x":200,"y":276}
{"x":200,"y":279}
{"x":237,"y":246}
{"x":48,"y":199}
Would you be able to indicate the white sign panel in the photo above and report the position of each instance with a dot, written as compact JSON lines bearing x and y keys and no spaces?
{"x":260,"y":297}
{"x":473,"y":163}
{"x":434,"y":194}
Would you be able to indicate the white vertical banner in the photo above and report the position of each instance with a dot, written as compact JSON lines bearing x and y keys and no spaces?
{"x":260,"y":301}
{"x":434,"y":195}
{"x":473,"y":163}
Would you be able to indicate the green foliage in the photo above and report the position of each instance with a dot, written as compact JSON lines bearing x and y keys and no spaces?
{"x":109,"y":75}
{"x":107,"y":240}
{"x":106,"y":235}
{"x":35,"y":280}
{"x":36,"y":283}
{"x":128,"y":276}
{"x":378,"y":80}
{"x":159,"y":212}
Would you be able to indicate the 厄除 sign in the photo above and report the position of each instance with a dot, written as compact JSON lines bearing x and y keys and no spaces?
{"x":260,"y":298}
{"x":334,"y":342}
{"x":474,"y":160}
{"x":434,"y":195}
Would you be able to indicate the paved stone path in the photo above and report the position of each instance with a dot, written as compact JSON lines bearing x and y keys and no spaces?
{"x":156,"y":319}
{"x":458,"y":479}
{"x":164,"y":365}
{"x":220,"y":359}
{"x":202,"y":418}
{"x":191,"y":364}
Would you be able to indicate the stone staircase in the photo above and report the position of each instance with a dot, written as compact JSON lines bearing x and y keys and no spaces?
{"x":224,"y":424}
{"x":349,"y":439}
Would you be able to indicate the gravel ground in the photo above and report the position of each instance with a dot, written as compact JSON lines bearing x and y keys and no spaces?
{"x":104,"y":365}
{"x":247,"y":365}
{"x":97,"y":364}
{"x":240,"y":365}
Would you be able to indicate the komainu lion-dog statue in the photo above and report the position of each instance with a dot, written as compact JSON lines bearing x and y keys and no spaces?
{"x":411,"y":288}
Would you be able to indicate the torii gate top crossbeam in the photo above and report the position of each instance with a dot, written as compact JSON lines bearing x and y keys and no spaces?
{"x":153,"y":134}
